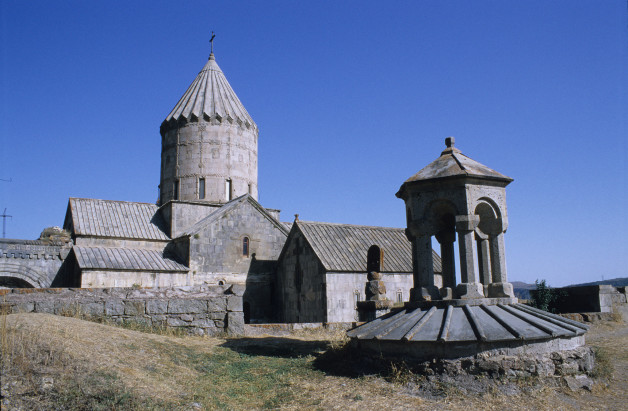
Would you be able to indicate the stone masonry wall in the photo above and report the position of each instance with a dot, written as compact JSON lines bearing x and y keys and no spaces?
{"x":203,"y":310}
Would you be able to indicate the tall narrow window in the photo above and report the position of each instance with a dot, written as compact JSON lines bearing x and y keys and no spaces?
{"x":201,"y":188}
{"x":175,"y":195}
{"x":373,"y":259}
{"x":250,"y":188}
{"x":228,"y":190}
{"x":245,"y":246}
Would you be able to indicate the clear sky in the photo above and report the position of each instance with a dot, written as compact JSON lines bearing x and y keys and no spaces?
{"x":351,"y":99}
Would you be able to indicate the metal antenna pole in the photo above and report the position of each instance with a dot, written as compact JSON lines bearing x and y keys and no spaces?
{"x":4,"y":222}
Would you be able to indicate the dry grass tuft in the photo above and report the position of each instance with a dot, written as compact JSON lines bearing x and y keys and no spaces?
{"x":52,"y":362}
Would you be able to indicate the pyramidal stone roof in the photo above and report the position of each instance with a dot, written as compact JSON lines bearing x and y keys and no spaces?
{"x":452,"y":163}
{"x":210,"y":96}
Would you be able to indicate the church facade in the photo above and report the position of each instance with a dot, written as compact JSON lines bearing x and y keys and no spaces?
{"x":208,"y":228}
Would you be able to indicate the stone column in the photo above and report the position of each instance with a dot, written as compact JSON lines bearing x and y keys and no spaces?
{"x":500,"y":288}
{"x":423,"y":269}
{"x":484,"y":260}
{"x":446,"y":239}
{"x":469,"y":287}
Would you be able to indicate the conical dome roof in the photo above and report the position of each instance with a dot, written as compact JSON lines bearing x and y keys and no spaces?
{"x":211,"y":96}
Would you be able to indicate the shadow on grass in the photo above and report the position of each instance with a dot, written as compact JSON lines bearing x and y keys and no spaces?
{"x":276,"y":347}
{"x":332,"y":359}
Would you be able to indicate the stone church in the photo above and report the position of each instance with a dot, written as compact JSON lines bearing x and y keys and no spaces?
{"x":208,"y":228}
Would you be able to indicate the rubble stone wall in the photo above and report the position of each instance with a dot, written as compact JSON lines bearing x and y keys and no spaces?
{"x":202,"y":310}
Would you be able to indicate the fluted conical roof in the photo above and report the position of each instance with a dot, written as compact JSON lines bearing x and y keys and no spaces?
{"x":211,"y":96}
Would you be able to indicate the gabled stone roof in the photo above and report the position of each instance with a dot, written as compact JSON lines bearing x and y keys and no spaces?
{"x":113,"y":219}
{"x":230,"y":206}
{"x":132,"y":259}
{"x":210,"y":96}
{"x":343,"y":247}
{"x":452,"y":163}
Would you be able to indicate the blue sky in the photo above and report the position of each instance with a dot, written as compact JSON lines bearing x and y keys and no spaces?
{"x":351,"y":98}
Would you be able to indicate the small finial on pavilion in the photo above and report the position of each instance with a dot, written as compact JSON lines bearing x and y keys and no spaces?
{"x":296,"y":218}
{"x":450,"y":141}
{"x":211,"y":42}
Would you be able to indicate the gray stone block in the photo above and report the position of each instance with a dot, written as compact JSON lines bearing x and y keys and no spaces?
{"x":219,"y":324}
{"x":186,"y":317}
{"x":220,"y":315}
{"x":234,"y":303}
{"x":45,"y":307}
{"x":176,"y":322}
{"x":236,"y":289}
{"x":203,"y":323}
{"x":23,"y":308}
{"x":217,"y":304}
{"x":187,"y":306}
{"x":114,"y":307}
{"x":134,"y":308}
{"x":235,"y":323}
{"x":93,"y":309}
{"x":156,"y":307}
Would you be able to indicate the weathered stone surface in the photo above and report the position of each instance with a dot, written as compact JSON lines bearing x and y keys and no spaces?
{"x":180,"y":306}
{"x":186,"y":317}
{"x":191,"y":305}
{"x":45,"y":307}
{"x":578,"y":382}
{"x":134,"y":307}
{"x":235,"y":323}
{"x":156,"y":307}
{"x":375,"y":290}
{"x":217,"y":304}
{"x":234,"y":303}
{"x":176,"y":322}
{"x":236,"y":289}
{"x":114,"y":307}
{"x":96,"y":309}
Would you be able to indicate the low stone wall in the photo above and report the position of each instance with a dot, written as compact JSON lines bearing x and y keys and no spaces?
{"x":591,"y":298}
{"x":202,"y":310}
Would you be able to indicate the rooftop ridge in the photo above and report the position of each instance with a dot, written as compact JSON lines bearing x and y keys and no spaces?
{"x":351,"y":225}
{"x":112,"y":201}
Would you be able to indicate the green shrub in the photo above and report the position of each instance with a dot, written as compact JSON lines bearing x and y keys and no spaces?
{"x":545,"y":297}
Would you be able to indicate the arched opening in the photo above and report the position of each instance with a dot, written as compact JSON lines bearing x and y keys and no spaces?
{"x":443,"y":217}
{"x":245,"y":247}
{"x":14,"y":282}
{"x":374,"y":259}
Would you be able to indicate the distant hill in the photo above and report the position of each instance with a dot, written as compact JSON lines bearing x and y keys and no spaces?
{"x":522,"y":290}
{"x":616,"y":282}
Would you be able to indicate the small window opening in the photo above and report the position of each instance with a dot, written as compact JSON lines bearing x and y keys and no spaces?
{"x":399,"y":297}
{"x":228,"y":190}
{"x":176,"y":190}
{"x":221,"y":282}
{"x":245,"y":246}
{"x":201,"y":188}
{"x":249,"y":188}
{"x":356,"y":298}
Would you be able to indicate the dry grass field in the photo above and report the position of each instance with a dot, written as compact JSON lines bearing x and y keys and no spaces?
{"x":52,"y":362}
